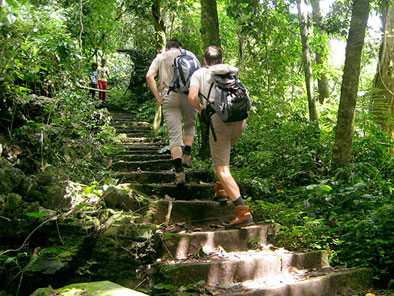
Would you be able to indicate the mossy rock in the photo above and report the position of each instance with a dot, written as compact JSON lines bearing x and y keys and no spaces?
{"x":103,"y":288}
{"x":14,"y":209}
{"x":10,"y":178}
{"x":49,"y":188}
{"x":123,"y":248}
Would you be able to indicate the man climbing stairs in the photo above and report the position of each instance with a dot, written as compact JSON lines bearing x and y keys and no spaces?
{"x":195,"y":245}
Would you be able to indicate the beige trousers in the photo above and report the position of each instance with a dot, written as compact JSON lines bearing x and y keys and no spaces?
{"x":227,"y":133}
{"x":175,"y":108}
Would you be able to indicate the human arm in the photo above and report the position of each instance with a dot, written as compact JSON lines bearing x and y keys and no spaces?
{"x":150,"y":79}
{"x":193,"y":97}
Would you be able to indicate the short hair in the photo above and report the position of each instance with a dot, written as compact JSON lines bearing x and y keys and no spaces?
{"x":94,"y":64}
{"x":173,"y":43}
{"x":213,"y":55}
{"x":103,"y":60}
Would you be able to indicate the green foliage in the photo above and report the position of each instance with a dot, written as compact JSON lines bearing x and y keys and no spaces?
{"x":40,"y":53}
{"x":368,"y":241}
{"x":280,"y":151}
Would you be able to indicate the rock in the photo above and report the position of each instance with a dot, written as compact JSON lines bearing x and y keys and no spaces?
{"x":48,"y":188}
{"x":15,"y":222}
{"x":123,"y":248}
{"x":46,"y":265}
{"x":42,"y":292}
{"x":10,"y":177}
{"x":103,"y":288}
{"x":121,"y":198}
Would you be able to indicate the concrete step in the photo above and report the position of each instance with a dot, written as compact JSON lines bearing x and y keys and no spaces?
{"x":124,"y":139}
{"x":123,"y":115}
{"x":325,"y":282}
{"x":142,"y":146}
{"x":222,"y":268}
{"x":131,"y":133}
{"x":145,"y":177}
{"x":191,"y":191}
{"x":144,"y":165}
{"x":127,"y":126}
{"x":196,"y":213}
{"x":148,"y":151}
{"x":142,"y":157}
{"x":187,"y":245}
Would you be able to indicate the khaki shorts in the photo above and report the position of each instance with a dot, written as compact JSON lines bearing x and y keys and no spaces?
{"x":175,"y":107}
{"x":227,"y":133}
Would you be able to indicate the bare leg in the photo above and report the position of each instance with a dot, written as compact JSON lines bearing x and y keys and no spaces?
{"x":226,"y":179}
{"x":188,"y":140}
{"x":176,"y":152}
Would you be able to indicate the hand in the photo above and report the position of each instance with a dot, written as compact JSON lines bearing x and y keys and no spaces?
{"x":159,"y":100}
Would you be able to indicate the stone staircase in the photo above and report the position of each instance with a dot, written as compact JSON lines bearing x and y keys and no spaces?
{"x":197,"y":248}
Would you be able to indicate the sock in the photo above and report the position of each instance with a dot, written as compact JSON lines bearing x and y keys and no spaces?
{"x":239,"y":201}
{"x":178,"y":165}
{"x":187,"y":150}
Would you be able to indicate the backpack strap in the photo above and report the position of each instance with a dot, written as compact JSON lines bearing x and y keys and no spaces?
{"x":172,"y":84}
{"x":210,"y":112}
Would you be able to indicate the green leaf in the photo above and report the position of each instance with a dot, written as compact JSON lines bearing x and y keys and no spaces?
{"x":326,"y":188}
{"x":162,"y":286}
{"x":34,"y":51}
{"x":12,"y":3}
{"x":35,"y":214}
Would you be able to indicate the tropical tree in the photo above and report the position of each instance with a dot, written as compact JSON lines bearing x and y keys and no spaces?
{"x":306,"y":31}
{"x":383,"y":99}
{"x":342,"y":150}
{"x":320,"y":53}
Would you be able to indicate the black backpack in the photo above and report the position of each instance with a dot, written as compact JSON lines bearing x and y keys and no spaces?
{"x":184,"y":67}
{"x":232,"y":101}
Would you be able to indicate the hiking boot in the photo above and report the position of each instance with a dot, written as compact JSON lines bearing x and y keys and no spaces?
{"x":179,"y":179}
{"x":187,"y":161}
{"x":243,"y":217}
{"x":220,"y":193}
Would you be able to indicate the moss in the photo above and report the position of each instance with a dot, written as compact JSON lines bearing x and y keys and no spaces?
{"x":103,"y":288}
{"x":42,"y":292}
{"x":10,"y":177}
{"x":171,"y":236}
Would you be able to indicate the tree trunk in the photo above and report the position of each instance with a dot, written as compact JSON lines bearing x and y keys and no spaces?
{"x":383,"y":103}
{"x":345,"y":124}
{"x":210,"y":36}
{"x":322,"y":80}
{"x":305,"y":29}
{"x":160,"y":34}
{"x":209,"y":23}
{"x":160,"y":28}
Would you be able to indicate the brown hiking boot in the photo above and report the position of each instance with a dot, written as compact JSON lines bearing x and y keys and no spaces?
{"x":243,"y":217}
{"x":187,"y":161}
{"x":220,"y":193}
{"x":180,"y":179}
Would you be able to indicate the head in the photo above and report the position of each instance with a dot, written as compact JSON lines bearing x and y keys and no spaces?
{"x":94,"y":66}
{"x":103,"y":62}
{"x":173,"y":43}
{"x":213,"y":55}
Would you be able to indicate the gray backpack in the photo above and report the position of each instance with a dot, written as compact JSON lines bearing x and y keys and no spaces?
{"x":184,"y":67}
{"x":232,"y":101}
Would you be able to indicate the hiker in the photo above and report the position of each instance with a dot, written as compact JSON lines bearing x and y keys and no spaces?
{"x":93,"y":80}
{"x":223,"y":136}
{"x":175,"y":108}
{"x":102,"y":80}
